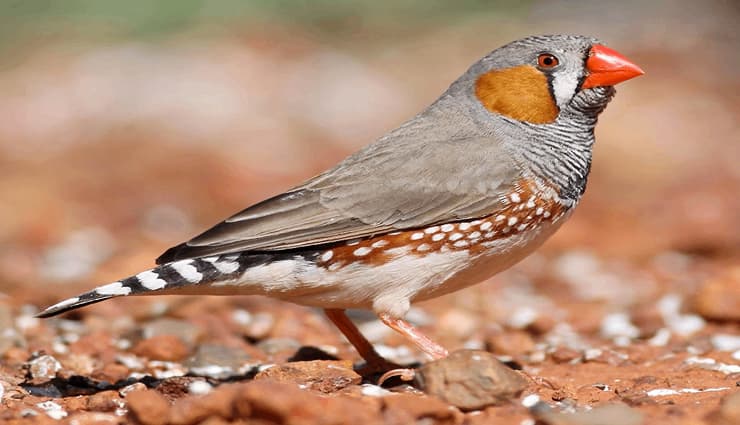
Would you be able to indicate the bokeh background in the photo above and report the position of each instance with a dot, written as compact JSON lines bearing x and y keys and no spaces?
{"x":127,"y":127}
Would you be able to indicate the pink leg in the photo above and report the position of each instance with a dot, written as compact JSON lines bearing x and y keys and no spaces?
{"x":375,"y":363}
{"x":414,"y":335}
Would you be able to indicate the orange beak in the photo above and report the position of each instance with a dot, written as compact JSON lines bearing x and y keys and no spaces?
{"x":607,"y":67}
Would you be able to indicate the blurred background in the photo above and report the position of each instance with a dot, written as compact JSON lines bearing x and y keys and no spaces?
{"x":128,"y":127}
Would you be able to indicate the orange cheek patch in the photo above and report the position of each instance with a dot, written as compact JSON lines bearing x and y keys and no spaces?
{"x":520,"y":93}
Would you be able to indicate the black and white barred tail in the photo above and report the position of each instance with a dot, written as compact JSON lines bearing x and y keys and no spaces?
{"x":178,"y":277}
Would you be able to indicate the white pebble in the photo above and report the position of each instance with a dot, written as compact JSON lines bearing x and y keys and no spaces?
{"x":199,"y":387}
{"x":530,"y":400}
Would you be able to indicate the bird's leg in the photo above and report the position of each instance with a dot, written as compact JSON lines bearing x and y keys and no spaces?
{"x":426,"y":345}
{"x":406,"y":329}
{"x":374,"y":362}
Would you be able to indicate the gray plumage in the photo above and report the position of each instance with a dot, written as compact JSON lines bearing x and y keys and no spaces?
{"x":453,"y":161}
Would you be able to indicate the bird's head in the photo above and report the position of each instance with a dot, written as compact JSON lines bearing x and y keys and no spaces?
{"x":537,"y":78}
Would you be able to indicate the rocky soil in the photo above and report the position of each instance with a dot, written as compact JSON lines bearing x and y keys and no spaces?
{"x":629,"y":315}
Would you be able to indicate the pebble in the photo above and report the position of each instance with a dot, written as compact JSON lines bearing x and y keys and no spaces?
{"x":163,"y":347}
{"x":661,"y":338}
{"x":522,"y":317}
{"x":374,"y":390}
{"x":458,"y":322}
{"x":711,"y":364}
{"x":130,"y":361}
{"x":610,"y":414}
{"x":325,"y":376}
{"x":104,"y":401}
{"x":188,"y":333}
{"x":729,"y":411}
{"x":565,"y":355}
{"x":52,"y":409}
{"x":199,"y":388}
{"x":618,"y":325}
{"x":219,"y":361}
{"x":470,"y":380}
{"x":277,"y":345}
{"x":259,"y":326}
{"x":43,"y":368}
{"x":726,"y":342}
{"x":719,"y":297}
{"x":148,"y":407}
{"x":137,"y":386}
{"x":512,"y":343}
{"x":163,"y":370}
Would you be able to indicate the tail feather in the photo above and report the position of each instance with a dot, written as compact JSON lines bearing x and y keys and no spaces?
{"x":166,"y":278}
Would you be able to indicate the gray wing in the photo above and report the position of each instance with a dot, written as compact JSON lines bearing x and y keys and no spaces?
{"x":390,"y":185}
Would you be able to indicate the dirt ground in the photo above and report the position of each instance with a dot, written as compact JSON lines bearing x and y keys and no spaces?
{"x":630,"y":314}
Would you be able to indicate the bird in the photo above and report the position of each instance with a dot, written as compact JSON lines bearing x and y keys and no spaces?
{"x":465,"y":189}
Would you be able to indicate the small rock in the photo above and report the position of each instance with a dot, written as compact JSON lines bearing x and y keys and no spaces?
{"x":112,"y":372}
{"x":186,"y":331}
{"x":104,"y":401}
{"x":457,"y":322}
{"x":136,"y":386}
{"x":470,"y":380}
{"x":43,"y":368}
{"x":219,"y":362}
{"x":259,"y":326}
{"x":79,"y":364}
{"x":412,"y":409}
{"x":320,"y":375}
{"x":162,"y":347}
{"x":147,"y":407}
{"x":199,"y":388}
{"x":277,"y":345}
{"x":565,"y":355}
{"x":511,"y":343}
{"x":728,"y":412}
{"x":52,"y":409}
{"x":94,"y":418}
{"x":191,"y":410}
{"x":726,"y":342}
{"x":719,"y":297}
{"x":611,"y":414}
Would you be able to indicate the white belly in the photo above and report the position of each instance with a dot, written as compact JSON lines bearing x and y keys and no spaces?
{"x":389,"y":287}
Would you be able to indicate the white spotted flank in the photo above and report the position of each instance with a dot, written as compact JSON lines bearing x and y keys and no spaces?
{"x":362,"y":251}
{"x":447,"y":227}
{"x":326,"y":256}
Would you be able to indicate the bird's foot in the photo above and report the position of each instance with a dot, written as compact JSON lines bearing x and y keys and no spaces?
{"x":406,"y":375}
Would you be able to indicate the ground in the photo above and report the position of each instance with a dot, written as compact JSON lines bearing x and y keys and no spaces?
{"x":629,"y":314}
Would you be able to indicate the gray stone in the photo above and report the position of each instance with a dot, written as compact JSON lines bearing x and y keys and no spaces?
{"x":186,"y":331}
{"x":470,"y":380}
{"x":219,"y":362}
{"x":277,"y":345}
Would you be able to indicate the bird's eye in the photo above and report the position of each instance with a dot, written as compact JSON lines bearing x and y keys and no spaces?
{"x":546,"y":60}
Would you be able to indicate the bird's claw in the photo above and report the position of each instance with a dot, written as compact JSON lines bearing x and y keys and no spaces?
{"x":406,"y":375}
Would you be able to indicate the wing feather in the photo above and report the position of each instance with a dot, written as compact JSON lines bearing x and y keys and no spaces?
{"x":393,"y":184}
